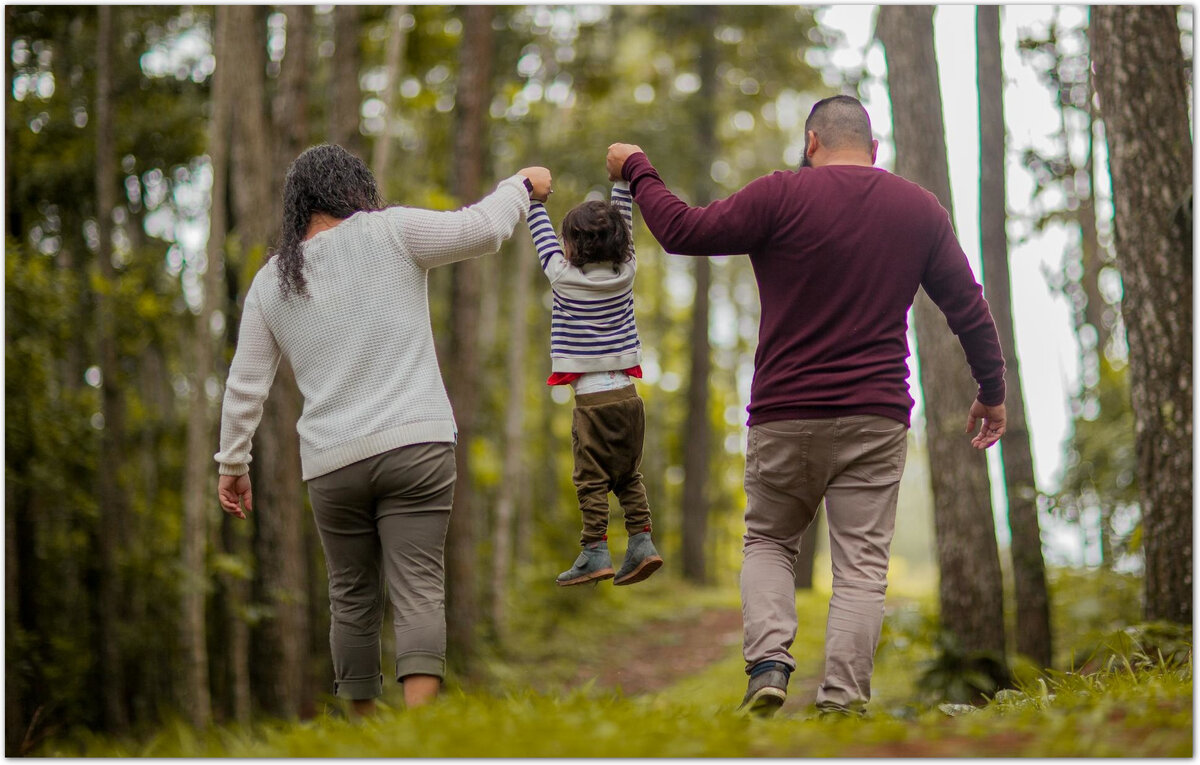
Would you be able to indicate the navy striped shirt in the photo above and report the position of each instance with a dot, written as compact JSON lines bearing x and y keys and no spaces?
{"x":592,"y":327}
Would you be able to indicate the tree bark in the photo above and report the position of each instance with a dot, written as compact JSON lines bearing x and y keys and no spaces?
{"x":199,"y":475}
{"x":381,"y":152}
{"x":1140,"y":79}
{"x":251,"y":176}
{"x":112,"y":501}
{"x":514,"y":443}
{"x":346,"y":97}
{"x":970,"y":588}
{"x":806,"y":561}
{"x":470,"y":151}
{"x":698,"y":426}
{"x":1029,"y":569}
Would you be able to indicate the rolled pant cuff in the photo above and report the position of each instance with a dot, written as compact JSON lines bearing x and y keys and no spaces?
{"x":367,"y":688}
{"x":420,"y":663}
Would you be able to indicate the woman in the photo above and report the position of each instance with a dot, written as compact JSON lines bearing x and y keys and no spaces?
{"x":344,"y":299}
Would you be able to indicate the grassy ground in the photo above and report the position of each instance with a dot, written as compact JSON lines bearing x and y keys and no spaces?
{"x":555,"y":695}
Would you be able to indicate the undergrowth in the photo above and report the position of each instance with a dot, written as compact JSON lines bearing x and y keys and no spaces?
{"x":1130,"y":694}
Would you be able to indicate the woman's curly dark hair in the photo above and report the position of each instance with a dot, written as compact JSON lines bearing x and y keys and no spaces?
{"x":324,"y":179}
{"x":595,"y":232}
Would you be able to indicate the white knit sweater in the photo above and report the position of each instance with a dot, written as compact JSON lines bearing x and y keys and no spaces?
{"x":360,"y":343}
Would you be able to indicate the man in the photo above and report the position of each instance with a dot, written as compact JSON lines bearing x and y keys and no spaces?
{"x":839,"y":249}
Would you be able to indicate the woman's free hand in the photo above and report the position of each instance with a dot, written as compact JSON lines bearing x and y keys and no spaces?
{"x":232,"y":490}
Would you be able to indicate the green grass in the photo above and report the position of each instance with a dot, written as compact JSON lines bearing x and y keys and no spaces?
{"x":1136,"y":703}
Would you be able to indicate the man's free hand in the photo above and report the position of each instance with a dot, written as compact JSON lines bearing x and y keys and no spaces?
{"x":617,"y":154}
{"x":992,"y":419}
{"x":231,"y":490}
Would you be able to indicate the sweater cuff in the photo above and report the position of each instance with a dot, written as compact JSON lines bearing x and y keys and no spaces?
{"x":636,"y":167}
{"x":224,"y":469}
{"x":992,"y":395}
{"x":518,"y":181}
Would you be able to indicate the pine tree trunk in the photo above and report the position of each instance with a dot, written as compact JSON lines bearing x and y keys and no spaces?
{"x":397,"y":40}
{"x":462,"y":379}
{"x":200,"y":473}
{"x":250,"y":190}
{"x":1140,"y":78}
{"x":1029,"y":569}
{"x":806,"y":560}
{"x":514,"y":442}
{"x":346,"y":96}
{"x":970,"y":589}
{"x":698,"y":426}
{"x":111,"y":499}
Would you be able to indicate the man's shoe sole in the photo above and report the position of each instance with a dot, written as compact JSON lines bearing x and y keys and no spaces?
{"x":595,"y":576}
{"x":643,"y":571}
{"x":766,"y":702}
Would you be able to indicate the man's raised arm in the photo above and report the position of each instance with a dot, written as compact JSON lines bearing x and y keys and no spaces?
{"x":732,"y":226}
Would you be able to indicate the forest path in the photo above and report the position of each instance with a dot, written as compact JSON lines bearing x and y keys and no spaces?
{"x":668,"y":651}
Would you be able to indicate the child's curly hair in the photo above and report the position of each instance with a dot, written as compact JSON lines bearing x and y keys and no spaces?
{"x":595,"y":232}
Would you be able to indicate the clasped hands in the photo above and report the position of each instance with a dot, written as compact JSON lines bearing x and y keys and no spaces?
{"x":539,"y":177}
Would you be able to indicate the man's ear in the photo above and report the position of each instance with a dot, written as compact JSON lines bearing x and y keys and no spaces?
{"x":811,"y":144}
{"x":874,"y":150}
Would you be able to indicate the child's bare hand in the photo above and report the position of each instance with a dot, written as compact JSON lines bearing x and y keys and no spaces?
{"x":617,"y":154}
{"x":540,"y":178}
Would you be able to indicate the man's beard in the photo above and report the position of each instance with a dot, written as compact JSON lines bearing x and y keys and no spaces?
{"x":804,"y":159}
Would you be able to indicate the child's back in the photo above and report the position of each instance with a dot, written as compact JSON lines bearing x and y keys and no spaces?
{"x":594,"y":347}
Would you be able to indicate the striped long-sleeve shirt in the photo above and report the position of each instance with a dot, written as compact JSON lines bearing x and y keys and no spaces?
{"x":592,"y":327}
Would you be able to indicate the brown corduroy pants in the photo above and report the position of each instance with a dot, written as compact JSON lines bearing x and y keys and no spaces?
{"x":607,"y":431}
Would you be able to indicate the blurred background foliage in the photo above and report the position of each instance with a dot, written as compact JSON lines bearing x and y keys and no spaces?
{"x":564,"y":83}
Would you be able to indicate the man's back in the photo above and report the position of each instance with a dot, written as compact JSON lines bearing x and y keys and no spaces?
{"x":838,"y":252}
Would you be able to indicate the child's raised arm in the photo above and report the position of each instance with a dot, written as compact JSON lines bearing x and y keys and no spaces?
{"x":622,"y":199}
{"x":545,"y":240}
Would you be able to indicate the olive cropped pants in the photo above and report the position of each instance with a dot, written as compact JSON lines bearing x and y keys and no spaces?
{"x":384,"y":519}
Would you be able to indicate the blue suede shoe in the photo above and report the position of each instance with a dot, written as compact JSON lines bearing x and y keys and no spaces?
{"x":593,"y":565}
{"x":641,"y":560}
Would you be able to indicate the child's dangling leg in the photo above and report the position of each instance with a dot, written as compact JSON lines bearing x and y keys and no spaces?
{"x":592,"y":482}
{"x":641,"y":557}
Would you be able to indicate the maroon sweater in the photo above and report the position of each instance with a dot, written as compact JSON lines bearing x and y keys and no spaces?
{"x":839,"y":252}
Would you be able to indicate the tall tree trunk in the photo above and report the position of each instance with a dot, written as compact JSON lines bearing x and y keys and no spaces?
{"x":698,"y":426}
{"x":279,"y":504}
{"x":251,"y":177}
{"x":381,"y":152}
{"x":802,"y":569}
{"x":199,"y":481}
{"x":1029,"y":569}
{"x":111,"y":500}
{"x":514,"y":443}
{"x":1139,"y":67}
{"x":346,"y":97}
{"x":970,"y":590}
{"x":1093,"y":254}
{"x":470,"y":151}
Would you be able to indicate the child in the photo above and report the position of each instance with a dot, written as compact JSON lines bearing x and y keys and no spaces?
{"x":594,"y":347}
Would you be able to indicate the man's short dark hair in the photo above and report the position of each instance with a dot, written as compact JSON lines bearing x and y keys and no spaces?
{"x":840,"y":122}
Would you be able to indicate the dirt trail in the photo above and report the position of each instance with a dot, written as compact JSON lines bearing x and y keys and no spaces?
{"x":670,"y":650}
{"x":665,"y":652}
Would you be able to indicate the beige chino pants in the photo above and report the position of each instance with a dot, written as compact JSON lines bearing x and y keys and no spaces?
{"x":855,"y":464}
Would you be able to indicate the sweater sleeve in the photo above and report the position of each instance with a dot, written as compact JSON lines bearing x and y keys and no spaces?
{"x":622,"y":199}
{"x":738,"y":224}
{"x":435,"y":238}
{"x":250,"y":376}
{"x":550,"y":252}
{"x":950,"y":283}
